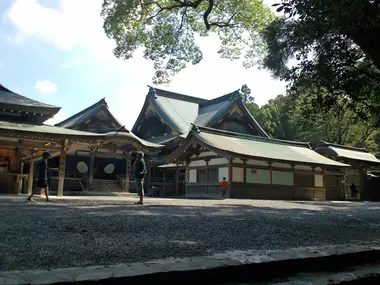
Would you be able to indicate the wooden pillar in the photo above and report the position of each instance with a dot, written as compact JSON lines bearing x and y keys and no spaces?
{"x":270,"y":172}
{"x":127,"y":173}
{"x":344,"y":184}
{"x":164,"y":181}
{"x":92,"y":165}
{"x":62,"y":170}
{"x":187,"y":176}
{"x":31,"y":176}
{"x":244,"y":170}
{"x":16,"y":162}
{"x":149,"y":176}
{"x":177,"y":181}
{"x":230,"y":175}
{"x":313,"y":179}
{"x":324,"y":182}
{"x":207,"y":172}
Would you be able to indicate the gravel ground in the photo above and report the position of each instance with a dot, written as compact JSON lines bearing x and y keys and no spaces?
{"x":83,"y":231}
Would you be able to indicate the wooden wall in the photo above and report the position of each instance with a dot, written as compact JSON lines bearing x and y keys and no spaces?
{"x":255,"y":180}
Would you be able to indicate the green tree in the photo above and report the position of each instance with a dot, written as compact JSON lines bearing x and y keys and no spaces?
{"x":298,"y":120}
{"x":167,"y":30}
{"x":328,"y":51}
{"x":276,"y":117}
{"x":357,"y":20}
{"x":245,"y":93}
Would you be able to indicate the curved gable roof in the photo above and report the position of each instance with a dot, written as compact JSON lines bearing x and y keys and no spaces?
{"x":247,"y":146}
{"x":86,"y":114}
{"x":348,"y":152}
{"x":14,"y":101}
{"x":181,"y":111}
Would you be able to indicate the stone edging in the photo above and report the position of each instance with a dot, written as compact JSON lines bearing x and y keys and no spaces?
{"x":231,"y":258}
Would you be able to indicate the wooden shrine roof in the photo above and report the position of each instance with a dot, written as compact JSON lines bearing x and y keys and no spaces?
{"x":232,"y":144}
{"x":347,"y":152}
{"x":180,"y":111}
{"x":12,"y":101}
{"x":82,"y":116}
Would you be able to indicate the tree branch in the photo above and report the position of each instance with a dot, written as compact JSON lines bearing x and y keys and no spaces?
{"x":207,"y":13}
{"x":180,"y":4}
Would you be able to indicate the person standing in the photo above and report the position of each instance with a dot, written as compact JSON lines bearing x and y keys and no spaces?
{"x":43,"y":179}
{"x":139,"y":171}
{"x":354,"y":193}
{"x":224,"y":186}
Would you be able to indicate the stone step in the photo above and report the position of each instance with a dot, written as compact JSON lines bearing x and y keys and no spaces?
{"x":100,"y":185}
{"x":338,"y":264}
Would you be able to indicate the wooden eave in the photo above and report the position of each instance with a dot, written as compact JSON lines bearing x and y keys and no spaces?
{"x":195,"y":142}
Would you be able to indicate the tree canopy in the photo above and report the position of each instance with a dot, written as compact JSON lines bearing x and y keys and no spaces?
{"x":297,"y":119}
{"x":167,"y":30}
{"x":333,"y":47}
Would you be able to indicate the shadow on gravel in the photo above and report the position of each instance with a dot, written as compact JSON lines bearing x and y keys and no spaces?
{"x":71,"y":233}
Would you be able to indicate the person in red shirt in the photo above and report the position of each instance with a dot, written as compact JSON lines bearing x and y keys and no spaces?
{"x":224,"y":186}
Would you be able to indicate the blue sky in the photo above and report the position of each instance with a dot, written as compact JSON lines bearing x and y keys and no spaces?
{"x":56,"y":51}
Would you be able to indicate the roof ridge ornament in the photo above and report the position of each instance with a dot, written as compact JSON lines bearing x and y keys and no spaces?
{"x":195,"y":128}
{"x":152,"y":92}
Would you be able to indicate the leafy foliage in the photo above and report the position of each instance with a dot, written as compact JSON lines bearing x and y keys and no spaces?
{"x":167,"y":30}
{"x":325,"y":43}
{"x":245,"y":93}
{"x":298,"y":119}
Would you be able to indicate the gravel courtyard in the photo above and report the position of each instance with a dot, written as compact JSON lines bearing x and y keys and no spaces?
{"x":83,"y":231}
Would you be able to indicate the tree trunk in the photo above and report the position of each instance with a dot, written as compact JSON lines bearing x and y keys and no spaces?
{"x":369,"y":42}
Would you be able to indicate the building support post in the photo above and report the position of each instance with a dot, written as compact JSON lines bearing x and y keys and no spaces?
{"x":244,"y":171}
{"x":344,"y":183}
{"x":149,"y":177}
{"x":164,"y":181}
{"x":31,"y":176}
{"x":207,"y":174}
{"x":62,"y":169}
{"x":177,"y":181}
{"x":230,"y":174}
{"x":127,"y":173}
{"x":313,"y":178}
{"x":187,"y":177}
{"x":92,"y":165}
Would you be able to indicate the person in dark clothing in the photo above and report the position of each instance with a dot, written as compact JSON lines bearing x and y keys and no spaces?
{"x":43,"y":177}
{"x":354,"y":193}
{"x":139,"y":171}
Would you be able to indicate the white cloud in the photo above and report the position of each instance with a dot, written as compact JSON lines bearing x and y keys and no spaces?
{"x":59,"y":117}
{"x":78,"y":24}
{"x":46,"y":87}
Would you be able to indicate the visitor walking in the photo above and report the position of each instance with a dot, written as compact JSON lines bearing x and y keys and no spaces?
{"x":224,"y":186}
{"x":43,"y":179}
{"x":139,"y":171}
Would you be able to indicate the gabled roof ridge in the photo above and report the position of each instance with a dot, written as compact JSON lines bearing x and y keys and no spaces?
{"x":327,"y":144}
{"x":219,"y":99}
{"x":197,"y":128}
{"x":100,"y":102}
{"x":174,"y":95}
{"x":4,"y":89}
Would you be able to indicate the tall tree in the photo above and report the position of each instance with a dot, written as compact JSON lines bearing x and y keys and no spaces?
{"x":328,"y":52}
{"x":298,"y":119}
{"x":357,"y":20}
{"x":167,"y":29}
{"x":245,"y":93}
